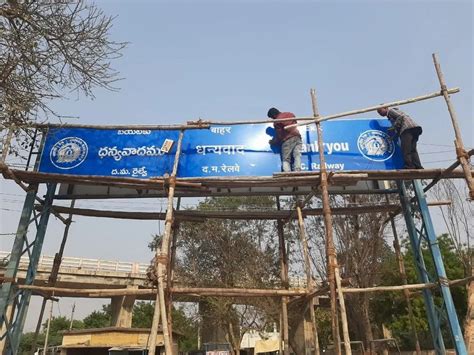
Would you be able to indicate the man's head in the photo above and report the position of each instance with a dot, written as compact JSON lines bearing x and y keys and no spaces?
{"x":273,"y":113}
{"x":383,"y":111}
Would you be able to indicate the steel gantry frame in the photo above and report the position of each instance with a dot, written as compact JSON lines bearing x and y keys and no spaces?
{"x":14,"y":303}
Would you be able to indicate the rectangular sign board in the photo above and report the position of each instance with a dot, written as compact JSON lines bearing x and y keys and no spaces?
{"x":243,"y":150}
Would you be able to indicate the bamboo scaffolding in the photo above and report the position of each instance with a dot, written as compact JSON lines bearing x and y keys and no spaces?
{"x":374,"y":108}
{"x":441,"y":175}
{"x":170,"y":276}
{"x":330,"y":249}
{"x":284,"y":330}
{"x":206,"y":123}
{"x":203,"y":186}
{"x":310,"y":284}
{"x":461,"y":153}
{"x":446,"y":171}
{"x":163,"y":263}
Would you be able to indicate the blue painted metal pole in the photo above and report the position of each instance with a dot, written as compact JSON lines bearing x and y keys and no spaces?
{"x":6,"y":293}
{"x":25,"y":295}
{"x":454,"y":326}
{"x":433,"y":318}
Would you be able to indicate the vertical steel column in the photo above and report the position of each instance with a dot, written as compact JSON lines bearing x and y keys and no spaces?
{"x":21,"y":246}
{"x":426,"y":232}
{"x":442,"y":279}
{"x":7,"y":292}
{"x":415,"y":242}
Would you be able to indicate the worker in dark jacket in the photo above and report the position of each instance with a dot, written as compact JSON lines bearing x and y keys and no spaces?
{"x":289,"y":140}
{"x":408,"y":131}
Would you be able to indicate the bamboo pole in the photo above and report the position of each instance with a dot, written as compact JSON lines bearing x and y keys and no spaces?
{"x":284,"y":331}
{"x":206,"y":123}
{"x":405,"y":287}
{"x":191,"y":291}
{"x":71,"y":321}
{"x":228,"y":292}
{"x":401,"y":268}
{"x":373,"y":108}
{"x":446,"y":171}
{"x":461,"y":153}
{"x":6,"y":143}
{"x":330,"y":249}
{"x":46,"y":339}
{"x":310,"y":285}
{"x":201,"y":186}
{"x":162,"y":262}
{"x":170,"y":276}
{"x":201,"y":216}
{"x":199,"y":125}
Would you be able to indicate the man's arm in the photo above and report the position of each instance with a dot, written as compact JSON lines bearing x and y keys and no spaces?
{"x":278,"y":131}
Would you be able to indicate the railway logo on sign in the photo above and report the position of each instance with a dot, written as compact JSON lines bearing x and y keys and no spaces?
{"x":376,"y":145}
{"x":68,"y":153}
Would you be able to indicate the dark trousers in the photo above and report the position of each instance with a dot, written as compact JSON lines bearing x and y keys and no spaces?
{"x":408,"y":140}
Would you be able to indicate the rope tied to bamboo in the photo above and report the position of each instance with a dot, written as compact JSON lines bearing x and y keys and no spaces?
{"x":462,"y":153}
{"x":443,"y":281}
{"x":200,"y":123}
{"x":162,"y":259}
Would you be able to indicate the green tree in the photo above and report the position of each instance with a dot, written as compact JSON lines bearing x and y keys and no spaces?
{"x":390,"y":308}
{"x":57,"y":327}
{"x":229,"y":253}
{"x":99,"y":319}
{"x":143,"y":314}
{"x":186,"y":327}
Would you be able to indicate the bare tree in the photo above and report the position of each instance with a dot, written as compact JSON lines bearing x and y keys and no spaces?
{"x":458,"y":217}
{"x":361,"y":248}
{"x":49,"y":49}
{"x":229,"y":254}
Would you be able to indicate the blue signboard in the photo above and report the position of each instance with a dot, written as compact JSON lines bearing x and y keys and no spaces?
{"x":242,"y":150}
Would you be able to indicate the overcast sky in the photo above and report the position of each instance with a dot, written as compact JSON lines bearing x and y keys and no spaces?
{"x":235,"y":59}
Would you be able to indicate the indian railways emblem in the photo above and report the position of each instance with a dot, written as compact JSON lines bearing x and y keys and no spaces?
{"x":376,"y":145}
{"x":68,"y":153}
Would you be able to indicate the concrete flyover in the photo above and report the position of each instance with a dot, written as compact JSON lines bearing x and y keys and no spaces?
{"x":82,"y":273}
